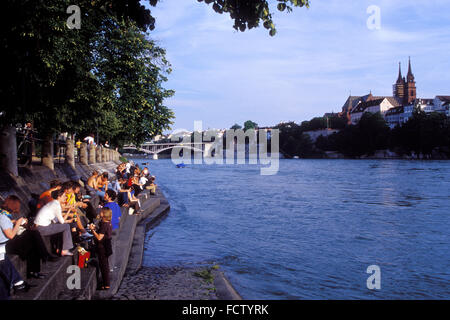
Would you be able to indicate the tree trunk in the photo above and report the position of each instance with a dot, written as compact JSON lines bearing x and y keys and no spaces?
{"x":8,"y":150}
{"x":83,"y":154}
{"x":47,"y":152}
{"x":70,"y":152}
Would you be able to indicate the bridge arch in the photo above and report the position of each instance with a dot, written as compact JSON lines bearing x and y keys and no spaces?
{"x":163,"y":149}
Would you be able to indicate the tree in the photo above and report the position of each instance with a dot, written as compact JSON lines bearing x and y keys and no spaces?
{"x":248,"y":14}
{"x":250,"y":125}
{"x":132,"y":69}
{"x":421,"y":134}
{"x":56,"y":77}
{"x":319,"y":123}
{"x":370,"y":134}
{"x":293,"y":142}
{"x":236,"y":127}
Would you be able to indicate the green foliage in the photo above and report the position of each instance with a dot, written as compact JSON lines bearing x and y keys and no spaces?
{"x":293,"y":142}
{"x":132,"y":70}
{"x":421,"y":134}
{"x":123,"y":159}
{"x":250,"y":125}
{"x":205,"y":274}
{"x":248,"y":14}
{"x":369,"y":135}
{"x":106,"y":76}
{"x":236,"y":127}
{"x":323,"y":123}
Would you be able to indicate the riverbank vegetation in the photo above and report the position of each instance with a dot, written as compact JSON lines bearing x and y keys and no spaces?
{"x":423,"y":135}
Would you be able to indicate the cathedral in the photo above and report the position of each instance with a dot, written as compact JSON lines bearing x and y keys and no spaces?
{"x":404,"y":93}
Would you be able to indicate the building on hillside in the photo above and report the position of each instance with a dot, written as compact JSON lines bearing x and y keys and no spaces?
{"x":351,"y":103}
{"x":442,"y":104}
{"x":381,"y":105}
{"x":400,"y":115}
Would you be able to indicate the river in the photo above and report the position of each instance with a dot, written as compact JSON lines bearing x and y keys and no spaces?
{"x":312,"y":230}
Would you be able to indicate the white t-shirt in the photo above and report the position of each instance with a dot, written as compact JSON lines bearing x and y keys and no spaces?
{"x":89,"y":140}
{"x":52,"y":211}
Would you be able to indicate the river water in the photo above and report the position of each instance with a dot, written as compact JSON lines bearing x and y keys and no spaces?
{"x":312,"y":230}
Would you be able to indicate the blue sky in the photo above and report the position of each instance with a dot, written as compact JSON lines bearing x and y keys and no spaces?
{"x":317,"y":58}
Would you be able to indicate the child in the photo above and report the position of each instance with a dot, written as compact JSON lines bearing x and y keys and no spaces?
{"x":104,"y":244}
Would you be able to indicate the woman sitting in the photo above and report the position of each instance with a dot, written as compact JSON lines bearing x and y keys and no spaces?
{"x":136,"y":185}
{"x":50,"y":212}
{"x":27,"y":244}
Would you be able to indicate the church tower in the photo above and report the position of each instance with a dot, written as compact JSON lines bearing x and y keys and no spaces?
{"x":399,"y":86}
{"x":410,"y":88}
{"x":405,"y":88}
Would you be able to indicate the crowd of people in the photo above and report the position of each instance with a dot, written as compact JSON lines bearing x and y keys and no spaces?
{"x":68,"y":216}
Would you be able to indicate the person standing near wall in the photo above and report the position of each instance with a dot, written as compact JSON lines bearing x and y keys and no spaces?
{"x":103,"y":237}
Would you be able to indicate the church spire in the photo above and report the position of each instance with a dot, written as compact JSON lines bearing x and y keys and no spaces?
{"x":399,"y":72}
{"x":410,"y":76}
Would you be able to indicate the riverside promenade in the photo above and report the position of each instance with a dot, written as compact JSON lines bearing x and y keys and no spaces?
{"x":35,"y":180}
{"x":128,"y":248}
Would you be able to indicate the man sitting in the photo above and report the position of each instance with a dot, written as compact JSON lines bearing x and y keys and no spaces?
{"x":102,"y":184}
{"x":92,"y":182}
{"x":110,"y":197}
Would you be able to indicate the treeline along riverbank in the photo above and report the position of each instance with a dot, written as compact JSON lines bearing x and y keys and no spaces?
{"x":423,"y":136}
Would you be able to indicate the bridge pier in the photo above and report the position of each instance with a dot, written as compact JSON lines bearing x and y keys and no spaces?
{"x":155,"y":156}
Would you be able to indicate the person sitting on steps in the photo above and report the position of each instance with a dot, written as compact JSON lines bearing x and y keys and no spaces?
{"x":26,"y":243}
{"x":53,"y":211}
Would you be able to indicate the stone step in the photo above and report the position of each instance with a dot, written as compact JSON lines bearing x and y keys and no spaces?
{"x":137,"y":250}
{"x":88,"y":285}
{"x":50,"y":287}
{"x":148,"y":207}
{"x":149,"y":220}
{"x":19,"y":264}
